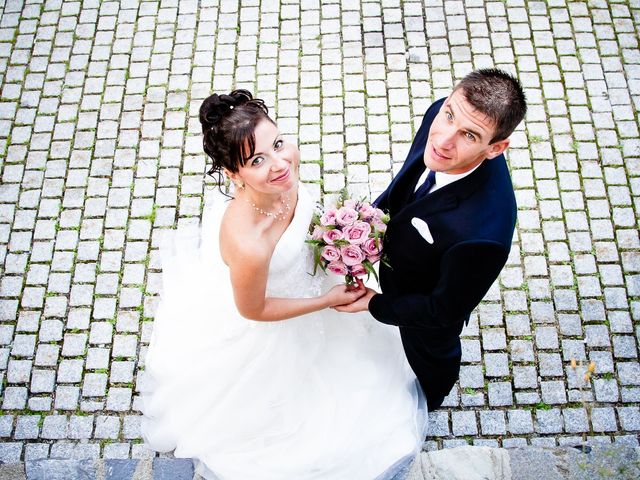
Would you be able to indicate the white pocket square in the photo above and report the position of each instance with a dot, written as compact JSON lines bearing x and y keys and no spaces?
{"x":422,"y":228}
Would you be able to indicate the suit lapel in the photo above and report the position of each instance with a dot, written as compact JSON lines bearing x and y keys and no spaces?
{"x":446,"y":198}
{"x":404,"y":186}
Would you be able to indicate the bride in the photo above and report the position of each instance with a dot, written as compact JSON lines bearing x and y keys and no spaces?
{"x":250,"y":372}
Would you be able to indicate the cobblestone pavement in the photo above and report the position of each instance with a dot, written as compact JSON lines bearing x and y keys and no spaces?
{"x":100,"y":152}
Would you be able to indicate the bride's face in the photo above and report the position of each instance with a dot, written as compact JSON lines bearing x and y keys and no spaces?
{"x":273,"y":168}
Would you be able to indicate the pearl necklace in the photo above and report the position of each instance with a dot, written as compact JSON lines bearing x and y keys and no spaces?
{"x":279,"y":215}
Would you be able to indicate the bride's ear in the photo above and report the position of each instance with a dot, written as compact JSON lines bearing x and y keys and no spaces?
{"x":235,"y":178}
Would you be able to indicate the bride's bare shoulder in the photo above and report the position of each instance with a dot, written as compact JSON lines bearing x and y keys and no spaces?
{"x":240,"y":238}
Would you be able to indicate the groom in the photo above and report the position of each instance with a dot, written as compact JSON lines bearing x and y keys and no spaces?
{"x":453,"y":213}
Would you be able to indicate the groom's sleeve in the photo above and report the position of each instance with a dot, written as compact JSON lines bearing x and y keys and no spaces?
{"x":468,"y":271}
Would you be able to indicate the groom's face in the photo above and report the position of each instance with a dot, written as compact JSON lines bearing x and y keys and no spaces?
{"x":459,"y":137}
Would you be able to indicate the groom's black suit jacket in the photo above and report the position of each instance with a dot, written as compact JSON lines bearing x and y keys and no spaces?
{"x":430,"y":289}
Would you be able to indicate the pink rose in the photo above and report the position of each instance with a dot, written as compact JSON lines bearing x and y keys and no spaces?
{"x":371,"y":246}
{"x":352,"y":255}
{"x":357,"y":233}
{"x":346,"y":216}
{"x":350,"y":203}
{"x":358,"y":270}
{"x":338,"y":268}
{"x":317,"y":232}
{"x":330,"y":236}
{"x":380,"y":214}
{"x":328,"y":217}
{"x":367,"y":211}
{"x":374,"y":258}
{"x":379,"y":225}
{"x":330,"y":253}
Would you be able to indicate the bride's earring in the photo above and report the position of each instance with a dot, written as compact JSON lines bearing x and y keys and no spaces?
{"x":239,"y":185}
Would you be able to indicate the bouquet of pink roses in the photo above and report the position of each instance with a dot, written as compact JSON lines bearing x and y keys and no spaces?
{"x":347,"y":239}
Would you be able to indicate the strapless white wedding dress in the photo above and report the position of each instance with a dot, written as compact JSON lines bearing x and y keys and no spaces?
{"x":321,"y":396}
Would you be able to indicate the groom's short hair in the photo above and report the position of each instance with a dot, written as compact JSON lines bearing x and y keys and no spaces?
{"x":498,"y":95}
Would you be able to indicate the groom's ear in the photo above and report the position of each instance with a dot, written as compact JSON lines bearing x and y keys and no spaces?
{"x":497,"y":148}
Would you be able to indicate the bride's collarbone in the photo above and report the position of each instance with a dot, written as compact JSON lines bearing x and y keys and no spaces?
{"x":242,"y":232}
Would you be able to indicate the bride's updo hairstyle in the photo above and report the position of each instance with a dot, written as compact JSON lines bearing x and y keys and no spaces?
{"x":228,"y":126}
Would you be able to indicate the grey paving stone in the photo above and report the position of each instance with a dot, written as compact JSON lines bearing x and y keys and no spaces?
{"x":107,"y":427}
{"x":575,"y":420}
{"x":471,"y":350}
{"x":521,"y":350}
{"x":35,"y":451}
{"x":520,"y":421}
{"x":525,"y":377}
{"x":42,"y":381}
{"x":500,"y":394}
{"x":546,"y":338}
{"x":116,"y":469}
{"x":60,"y":469}
{"x":603,"y":419}
{"x":74,"y":344}
{"x":10,"y":452}
{"x":140,"y":451}
{"x":6,"y":425}
{"x":471,"y":376}
{"x":27,"y":427}
{"x":116,"y":451}
{"x":94,"y":385}
{"x":545,"y":442}
{"x":122,"y":371}
{"x":514,"y":443}
{"x":496,"y":364}
{"x":39,"y":404}
{"x":131,"y":426}
{"x":80,"y":427}
{"x":606,"y":390}
{"x":629,"y":418}
{"x":119,"y":399}
{"x":550,"y":364}
{"x":50,"y":331}
{"x":70,"y":371}
{"x":492,"y":422}
{"x":19,"y":371}
{"x":573,"y":349}
{"x":548,"y":421}
{"x":23,"y":346}
{"x":628,"y":373}
{"x":553,"y":392}
{"x":54,"y":427}
{"x":15,"y":398}
{"x":172,"y":469}
{"x":494,"y":339}
{"x":624,"y":347}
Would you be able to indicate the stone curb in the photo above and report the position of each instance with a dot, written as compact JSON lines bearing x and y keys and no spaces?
{"x":100,"y":469}
{"x":461,"y":463}
{"x":528,"y":463}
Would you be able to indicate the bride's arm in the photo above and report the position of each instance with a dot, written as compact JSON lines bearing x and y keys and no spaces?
{"x":249,"y":272}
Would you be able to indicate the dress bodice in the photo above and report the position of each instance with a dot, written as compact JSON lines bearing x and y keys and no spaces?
{"x":286,"y":399}
{"x":291,"y":266}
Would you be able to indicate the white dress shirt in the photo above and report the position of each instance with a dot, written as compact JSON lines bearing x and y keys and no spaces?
{"x":443,"y":179}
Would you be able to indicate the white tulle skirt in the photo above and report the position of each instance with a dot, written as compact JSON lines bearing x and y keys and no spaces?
{"x":321,"y":396}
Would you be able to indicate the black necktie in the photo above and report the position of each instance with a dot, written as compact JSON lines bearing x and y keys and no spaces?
{"x":426,"y":186}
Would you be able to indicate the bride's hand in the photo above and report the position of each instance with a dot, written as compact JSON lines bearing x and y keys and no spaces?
{"x":361,"y":304}
{"x":343,"y":294}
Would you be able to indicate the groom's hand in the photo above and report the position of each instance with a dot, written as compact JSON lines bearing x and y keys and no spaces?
{"x":361,"y":304}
